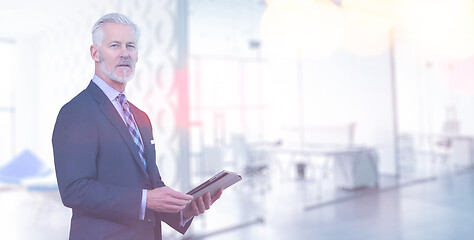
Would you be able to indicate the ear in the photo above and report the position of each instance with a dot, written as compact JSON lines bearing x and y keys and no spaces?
{"x":95,"y":53}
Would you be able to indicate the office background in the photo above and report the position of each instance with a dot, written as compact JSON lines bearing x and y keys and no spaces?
{"x":263,"y":88}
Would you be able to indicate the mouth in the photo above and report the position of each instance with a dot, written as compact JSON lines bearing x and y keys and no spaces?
{"x":124,"y":64}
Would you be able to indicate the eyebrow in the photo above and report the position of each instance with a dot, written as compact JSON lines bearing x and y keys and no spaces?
{"x":122,"y":42}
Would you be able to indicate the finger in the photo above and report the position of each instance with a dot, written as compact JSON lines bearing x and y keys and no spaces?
{"x":172,"y":209}
{"x":200,"y":205}
{"x":179,"y":195}
{"x":177,"y":202}
{"x":217,"y":195}
{"x":195,"y":208}
{"x":207,"y":200}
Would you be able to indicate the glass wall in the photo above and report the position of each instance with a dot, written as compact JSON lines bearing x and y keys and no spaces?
{"x":7,"y":106}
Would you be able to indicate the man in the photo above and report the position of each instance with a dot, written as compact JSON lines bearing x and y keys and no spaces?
{"x":104,"y":154}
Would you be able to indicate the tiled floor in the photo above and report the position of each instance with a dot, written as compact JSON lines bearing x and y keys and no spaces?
{"x":425,"y":209}
{"x":431,"y":209}
{"x":35,"y":215}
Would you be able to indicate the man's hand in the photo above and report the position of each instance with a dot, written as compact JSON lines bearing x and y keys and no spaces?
{"x":165,"y":199}
{"x":201,"y":204}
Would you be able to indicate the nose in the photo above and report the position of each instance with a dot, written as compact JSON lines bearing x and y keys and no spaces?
{"x":124,"y":53}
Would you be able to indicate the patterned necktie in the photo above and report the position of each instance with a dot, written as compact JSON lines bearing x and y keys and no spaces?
{"x":132,"y":127}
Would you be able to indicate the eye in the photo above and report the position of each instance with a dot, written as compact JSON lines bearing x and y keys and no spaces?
{"x":114,"y":45}
{"x":131,"y":46}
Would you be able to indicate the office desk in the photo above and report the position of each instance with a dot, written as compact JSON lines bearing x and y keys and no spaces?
{"x":354,"y":167}
{"x":458,"y":150}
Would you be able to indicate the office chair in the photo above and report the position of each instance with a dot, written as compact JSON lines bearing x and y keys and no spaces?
{"x":24,"y":167}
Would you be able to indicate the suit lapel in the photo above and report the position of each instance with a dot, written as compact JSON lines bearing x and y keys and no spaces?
{"x":113,"y":116}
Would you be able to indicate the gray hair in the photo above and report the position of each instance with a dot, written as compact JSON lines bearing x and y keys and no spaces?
{"x":98,"y":33}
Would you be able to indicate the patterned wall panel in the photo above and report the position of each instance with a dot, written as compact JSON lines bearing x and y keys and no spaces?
{"x":155,"y":85}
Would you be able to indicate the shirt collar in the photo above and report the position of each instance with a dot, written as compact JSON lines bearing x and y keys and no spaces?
{"x":109,"y":91}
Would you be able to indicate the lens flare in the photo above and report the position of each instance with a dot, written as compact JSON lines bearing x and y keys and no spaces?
{"x":369,"y":23}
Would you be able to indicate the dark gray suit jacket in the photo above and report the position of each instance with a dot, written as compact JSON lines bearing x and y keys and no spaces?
{"x":99,"y":171}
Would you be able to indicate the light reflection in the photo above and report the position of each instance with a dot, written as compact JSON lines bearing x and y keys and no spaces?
{"x":302,"y":28}
{"x":457,"y":75}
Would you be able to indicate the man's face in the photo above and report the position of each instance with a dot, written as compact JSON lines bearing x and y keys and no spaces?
{"x":118,"y":53}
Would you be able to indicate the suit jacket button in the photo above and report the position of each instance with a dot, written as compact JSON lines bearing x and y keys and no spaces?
{"x":148,"y":220}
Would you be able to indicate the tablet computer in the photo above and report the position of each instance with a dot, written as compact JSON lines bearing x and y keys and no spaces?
{"x":223,"y":179}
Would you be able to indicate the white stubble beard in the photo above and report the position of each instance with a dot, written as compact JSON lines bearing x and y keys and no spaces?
{"x":112,"y":76}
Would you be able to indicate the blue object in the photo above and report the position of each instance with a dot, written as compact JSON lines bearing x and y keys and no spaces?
{"x":24,"y":166}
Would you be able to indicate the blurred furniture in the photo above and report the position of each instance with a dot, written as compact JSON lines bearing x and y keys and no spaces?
{"x":253,"y":161}
{"x":356,"y":168}
{"x":438,"y":154}
{"x":406,"y":151}
{"x":462,"y":151}
{"x":323,"y":140}
{"x":455,"y":153}
{"x":24,"y":168}
{"x":353,"y":167}
{"x":453,"y":149}
{"x":27,"y":172}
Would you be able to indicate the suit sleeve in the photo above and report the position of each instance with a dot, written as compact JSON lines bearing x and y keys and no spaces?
{"x":174,"y":220}
{"x":75,"y":146}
